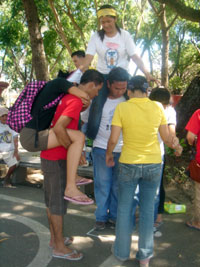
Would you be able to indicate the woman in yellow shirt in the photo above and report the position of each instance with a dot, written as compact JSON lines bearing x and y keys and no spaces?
{"x":140,"y":120}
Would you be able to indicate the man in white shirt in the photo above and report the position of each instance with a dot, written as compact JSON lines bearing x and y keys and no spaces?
{"x":105,"y":178}
{"x":8,"y":146}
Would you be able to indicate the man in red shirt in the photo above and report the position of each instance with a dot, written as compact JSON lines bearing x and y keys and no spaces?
{"x":193,"y":136}
{"x":54,"y":164}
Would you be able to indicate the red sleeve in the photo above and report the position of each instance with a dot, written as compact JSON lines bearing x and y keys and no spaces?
{"x":194,"y":123}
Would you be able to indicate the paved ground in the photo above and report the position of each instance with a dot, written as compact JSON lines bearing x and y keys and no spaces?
{"x":24,"y":236}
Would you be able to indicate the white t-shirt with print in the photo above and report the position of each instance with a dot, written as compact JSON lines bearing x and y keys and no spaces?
{"x":170,"y":114}
{"x":6,"y":138}
{"x":104,"y":131}
{"x":113,"y":51}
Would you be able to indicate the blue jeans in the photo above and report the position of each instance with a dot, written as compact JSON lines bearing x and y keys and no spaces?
{"x":158,"y":196}
{"x":105,"y":185}
{"x":147,"y":176}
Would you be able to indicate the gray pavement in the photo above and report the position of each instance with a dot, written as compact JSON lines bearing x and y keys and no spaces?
{"x":24,"y":236}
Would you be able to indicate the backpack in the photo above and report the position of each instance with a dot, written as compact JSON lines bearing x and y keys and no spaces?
{"x":20,"y":113}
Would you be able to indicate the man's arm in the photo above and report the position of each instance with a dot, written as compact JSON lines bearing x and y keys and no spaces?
{"x":80,"y":94}
{"x":169,"y":140}
{"x":86,"y":62}
{"x":114,"y":136}
{"x":138,"y":61}
{"x":172,"y":132}
{"x":191,"y":138}
{"x":60,"y":131}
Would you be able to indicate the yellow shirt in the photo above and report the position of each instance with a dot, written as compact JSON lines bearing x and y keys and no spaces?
{"x":140,"y":119}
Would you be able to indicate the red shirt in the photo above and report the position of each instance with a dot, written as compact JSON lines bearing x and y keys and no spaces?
{"x":69,"y":106}
{"x":194,"y":126}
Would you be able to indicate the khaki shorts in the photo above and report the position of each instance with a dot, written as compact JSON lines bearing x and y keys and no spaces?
{"x":8,"y":158}
{"x":54,"y":172}
{"x":28,"y":137}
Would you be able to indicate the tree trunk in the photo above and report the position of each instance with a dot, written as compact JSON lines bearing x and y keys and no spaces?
{"x":38,"y":53}
{"x":188,"y":104}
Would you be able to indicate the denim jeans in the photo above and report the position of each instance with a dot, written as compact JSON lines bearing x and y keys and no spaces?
{"x":147,"y":177}
{"x":105,"y":185}
{"x":160,"y":196}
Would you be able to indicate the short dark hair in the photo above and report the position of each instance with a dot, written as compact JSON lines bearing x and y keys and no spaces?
{"x":118,"y":74}
{"x":92,"y":76}
{"x":78,"y":53}
{"x":161,"y":95}
{"x":138,"y":83}
{"x":62,"y":74}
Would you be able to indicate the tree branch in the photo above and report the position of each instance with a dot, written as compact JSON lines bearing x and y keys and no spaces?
{"x":69,"y":14}
{"x":60,"y":27}
{"x":16,"y":63}
{"x":182,"y":10}
{"x":195,"y":45}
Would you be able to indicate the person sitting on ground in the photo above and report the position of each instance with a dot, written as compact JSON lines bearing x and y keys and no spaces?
{"x":8,"y":146}
{"x":193,"y":138}
{"x":162,"y":95}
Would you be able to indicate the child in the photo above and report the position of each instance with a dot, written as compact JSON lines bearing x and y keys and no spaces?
{"x":162,"y":95}
{"x":8,"y":146}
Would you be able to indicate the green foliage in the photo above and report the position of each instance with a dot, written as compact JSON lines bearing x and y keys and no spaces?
{"x":135,"y":16}
{"x":170,"y":152}
{"x":10,"y":33}
{"x":177,"y":174}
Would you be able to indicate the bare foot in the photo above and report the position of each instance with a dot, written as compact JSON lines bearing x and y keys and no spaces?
{"x":67,"y":241}
{"x":73,"y":192}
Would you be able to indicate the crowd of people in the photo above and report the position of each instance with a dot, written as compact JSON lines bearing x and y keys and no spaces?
{"x":128,"y":128}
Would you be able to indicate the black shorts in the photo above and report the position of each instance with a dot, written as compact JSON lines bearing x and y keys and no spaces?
{"x":54,"y":172}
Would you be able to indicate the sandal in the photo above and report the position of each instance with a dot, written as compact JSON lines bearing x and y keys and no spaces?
{"x":83,"y":181}
{"x":69,"y":256}
{"x":82,"y":200}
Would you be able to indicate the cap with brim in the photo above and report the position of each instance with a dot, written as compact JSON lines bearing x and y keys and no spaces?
{"x":3,"y":111}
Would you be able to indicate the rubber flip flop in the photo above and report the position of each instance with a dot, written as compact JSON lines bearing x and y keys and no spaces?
{"x":189,"y":224}
{"x":84,"y":181}
{"x":68,"y":256}
{"x":68,"y":241}
{"x":77,"y":200}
